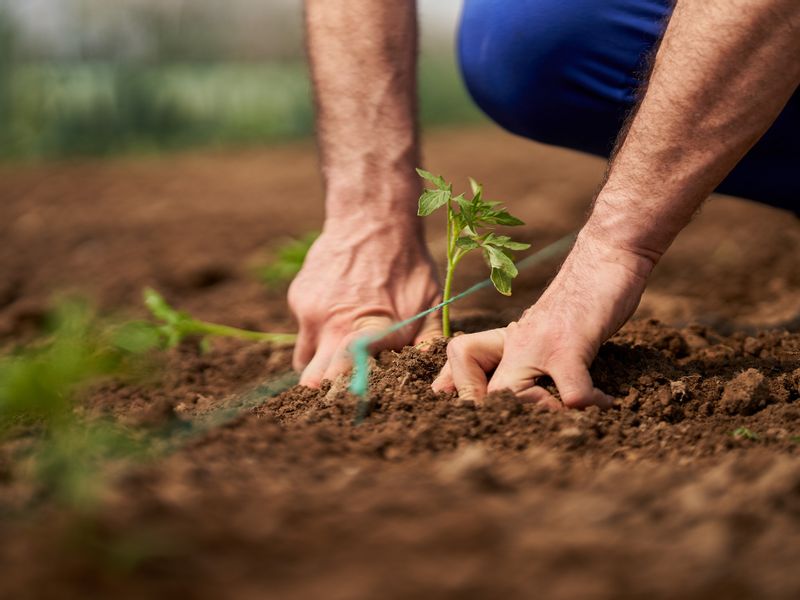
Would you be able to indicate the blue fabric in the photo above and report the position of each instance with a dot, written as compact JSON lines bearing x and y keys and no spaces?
{"x":566,"y":72}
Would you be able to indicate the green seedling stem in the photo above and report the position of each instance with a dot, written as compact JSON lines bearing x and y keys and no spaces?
{"x":177,"y":325}
{"x":470,"y":225}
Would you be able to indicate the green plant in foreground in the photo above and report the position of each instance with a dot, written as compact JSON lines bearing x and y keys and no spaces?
{"x":39,"y":388}
{"x":288,"y":260}
{"x":39,"y":381}
{"x":743,"y":433}
{"x":469,"y":227}
{"x":177,"y":325}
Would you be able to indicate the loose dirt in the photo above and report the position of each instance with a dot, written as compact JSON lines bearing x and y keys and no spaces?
{"x":689,"y":487}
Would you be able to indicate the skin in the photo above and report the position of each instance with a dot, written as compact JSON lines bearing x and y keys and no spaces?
{"x":708,"y":100}
{"x":370,"y":267}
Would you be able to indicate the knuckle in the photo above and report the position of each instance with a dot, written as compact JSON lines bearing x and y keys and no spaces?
{"x":457,"y":347}
{"x":573,"y":399}
{"x":468,"y":391}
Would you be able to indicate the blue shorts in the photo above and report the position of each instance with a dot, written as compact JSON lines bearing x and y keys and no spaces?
{"x":566,"y":72}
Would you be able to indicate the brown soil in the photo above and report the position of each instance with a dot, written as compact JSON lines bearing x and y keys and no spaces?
{"x":688,"y":488}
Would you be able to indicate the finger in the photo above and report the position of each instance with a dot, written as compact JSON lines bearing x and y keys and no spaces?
{"x":575,"y":386}
{"x":303,"y":349}
{"x":431,"y":328}
{"x":444,"y":380}
{"x":539,"y":395}
{"x":515,"y":372}
{"x":313,"y":373}
{"x":342,"y":359}
{"x":470,"y":357}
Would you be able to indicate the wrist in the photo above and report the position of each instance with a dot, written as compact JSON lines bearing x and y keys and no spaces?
{"x":376,"y":201}
{"x":617,"y":233}
{"x":598,"y":249}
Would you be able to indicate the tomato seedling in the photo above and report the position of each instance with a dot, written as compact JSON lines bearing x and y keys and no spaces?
{"x":177,"y":325}
{"x":470,"y":224}
{"x":288,"y":260}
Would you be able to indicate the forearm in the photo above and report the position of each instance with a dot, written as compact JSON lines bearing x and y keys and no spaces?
{"x":363,"y":64}
{"x":724,"y":71}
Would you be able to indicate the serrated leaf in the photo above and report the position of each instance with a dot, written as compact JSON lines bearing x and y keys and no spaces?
{"x":501,"y":217}
{"x":467,"y":243}
{"x":500,"y":260}
{"x":501,"y":281}
{"x":477,"y":189}
{"x":467,"y":214}
{"x":430,"y":200}
{"x":436,"y":180}
{"x":504,"y":241}
{"x":512,"y":245}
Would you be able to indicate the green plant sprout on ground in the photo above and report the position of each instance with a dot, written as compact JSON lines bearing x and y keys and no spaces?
{"x":288,"y":260}
{"x":743,"y":433}
{"x":39,"y":387}
{"x":177,"y":325}
{"x":469,"y":227}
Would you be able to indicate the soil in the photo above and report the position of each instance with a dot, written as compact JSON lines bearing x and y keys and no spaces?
{"x":689,"y":487}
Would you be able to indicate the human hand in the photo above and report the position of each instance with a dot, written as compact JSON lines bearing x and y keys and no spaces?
{"x":358,"y":278}
{"x":594,"y":293}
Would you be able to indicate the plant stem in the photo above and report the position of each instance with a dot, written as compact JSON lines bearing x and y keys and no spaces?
{"x":448,"y":279}
{"x":243,"y":334}
{"x":448,"y":282}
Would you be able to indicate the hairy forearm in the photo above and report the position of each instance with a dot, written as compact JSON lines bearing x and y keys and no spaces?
{"x":724,"y":71}
{"x":363,"y":64}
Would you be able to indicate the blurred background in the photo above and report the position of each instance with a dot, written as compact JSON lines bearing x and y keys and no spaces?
{"x":94,"y":77}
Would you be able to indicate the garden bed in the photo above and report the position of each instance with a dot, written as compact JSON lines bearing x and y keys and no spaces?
{"x":689,"y":487}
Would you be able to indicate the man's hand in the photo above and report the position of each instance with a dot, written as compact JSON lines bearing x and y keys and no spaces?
{"x":370,"y":267}
{"x":708,"y":100}
{"x":359,"y":279}
{"x":596,"y":291}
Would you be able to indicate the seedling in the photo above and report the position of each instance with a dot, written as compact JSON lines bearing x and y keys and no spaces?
{"x":743,"y":433}
{"x":177,"y":325}
{"x":40,"y":381}
{"x":288,"y":261}
{"x":39,"y":387}
{"x":470,"y":224}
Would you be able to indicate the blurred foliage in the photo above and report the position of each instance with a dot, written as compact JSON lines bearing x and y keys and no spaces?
{"x":55,"y":110}
{"x":286,"y":261}
{"x":174,"y":326}
{"x":39,"y":388}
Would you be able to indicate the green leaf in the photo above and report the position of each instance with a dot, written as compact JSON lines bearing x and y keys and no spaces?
{"x":158,"y":306}
{"x":436,"y":180}
{"x":501,"y":217}
{"x":288,"y":260}
{"x":430,"y":200}
{"x":136,"y":337}
{"x":744,"y":433}
{"x":501,"y":281}
{"x":467,"y":215}
{"x":467,"y":243}
{"x":500,"y":260}
{"x":503,"y":241}
{"x":512,"y":245}
{"x":477,"y":189}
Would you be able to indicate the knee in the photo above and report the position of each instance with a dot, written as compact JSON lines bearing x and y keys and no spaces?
{"x":545,"y":69}
{"x":514,"y":57}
